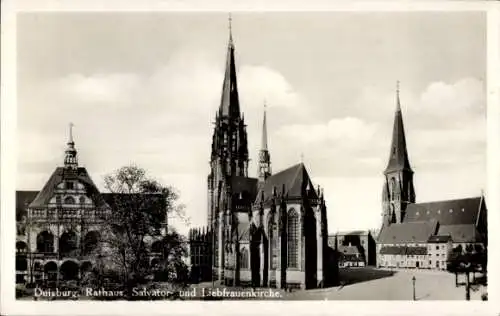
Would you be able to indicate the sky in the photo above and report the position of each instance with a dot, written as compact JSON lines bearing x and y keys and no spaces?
{"x":143,"y":88}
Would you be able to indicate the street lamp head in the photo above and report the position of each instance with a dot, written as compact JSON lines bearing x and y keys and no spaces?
{"x":413,"y":279}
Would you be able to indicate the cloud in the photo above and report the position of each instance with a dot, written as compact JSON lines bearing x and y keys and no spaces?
{"x":259,"y":84}
{"x":100,"y":88}
{"x":445,"y":128}
{"x":456,"y":100}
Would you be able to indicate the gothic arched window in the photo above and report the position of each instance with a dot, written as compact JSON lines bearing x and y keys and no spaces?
{"x":69,"y":200}
{"x":273,"y":252}
{"x":293,"y":239}
{"x":244,"y":259}
{"x":393,"y":188}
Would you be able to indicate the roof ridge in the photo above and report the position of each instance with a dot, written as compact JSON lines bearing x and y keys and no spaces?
{"x":448,"y":200}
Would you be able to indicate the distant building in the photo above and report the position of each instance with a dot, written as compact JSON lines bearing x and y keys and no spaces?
{"x":355,"y":248}
{"x":420,"y":235}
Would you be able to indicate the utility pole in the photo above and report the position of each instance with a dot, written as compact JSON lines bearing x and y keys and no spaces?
{"x":413,"y":280}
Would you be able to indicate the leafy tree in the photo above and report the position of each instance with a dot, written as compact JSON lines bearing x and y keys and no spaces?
{"x":473,"y":260}
{"x":140,"y":207}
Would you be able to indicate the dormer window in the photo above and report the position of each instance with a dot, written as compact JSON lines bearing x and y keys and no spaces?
{"x":69,"y":185}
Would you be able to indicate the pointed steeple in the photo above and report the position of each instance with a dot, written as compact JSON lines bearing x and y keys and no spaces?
{"x":230,"y":104}
{"x":264,"y":156}
{"x":264,"y":130}
{"x":70,"y":159}
{"x":398,"y":190}
{"x":398,"y":158}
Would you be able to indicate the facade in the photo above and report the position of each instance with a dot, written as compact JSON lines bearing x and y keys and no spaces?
{"x":356,"y":246}
{"x":420,"y":235}
{"x":267,"y":231}
{"x":59,"y":226}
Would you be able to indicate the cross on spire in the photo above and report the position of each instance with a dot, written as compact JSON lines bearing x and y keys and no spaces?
{"x":230,"y":22}
{"x":71,"y":125}
{"x":398,"y":103}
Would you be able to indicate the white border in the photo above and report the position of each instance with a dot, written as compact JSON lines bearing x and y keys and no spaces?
{"x":10,"y":306}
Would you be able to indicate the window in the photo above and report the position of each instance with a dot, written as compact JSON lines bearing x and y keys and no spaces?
{"x":273,"y":243}
{"x":69,"y":185}
{"x":437,"y":264}
{"x":293,"y":239}
{"x":82,"y":199}
{"x":58,"y":199}
{"x":244,"y":259}
{"x":69,"y":200}
{"x":437,"y":247}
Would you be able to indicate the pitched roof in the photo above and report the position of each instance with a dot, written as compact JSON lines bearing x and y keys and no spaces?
{"x":461,"y":233}
{"x":439,"y":238}
{"x":61,"y":174}
{"x":23,"y":198}
{"x":348,"y":250}
{"x":398,"y":159}
{"x":244,"y":185}
{"x":403,"y":250}
{"x":353,"y":233}
{"x":412,"y":232}
{"x":296,"y":180}
{"x":449,"y":212}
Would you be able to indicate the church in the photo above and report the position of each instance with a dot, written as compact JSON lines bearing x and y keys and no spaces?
{"x":268,"y":231}
{"x":420,"y":235}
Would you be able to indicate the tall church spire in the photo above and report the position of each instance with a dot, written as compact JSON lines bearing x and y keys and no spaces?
{"x":70,"y":159}
{"x":230,"y":104}
{"x":398,"y":158}
{"x":398,"y":190}
{"x":264,"y":156}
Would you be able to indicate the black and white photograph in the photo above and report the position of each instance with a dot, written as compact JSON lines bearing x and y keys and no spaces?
{"x":274,"y":156}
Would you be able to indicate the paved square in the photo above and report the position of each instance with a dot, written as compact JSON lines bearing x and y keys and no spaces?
{"x":378,"y":284}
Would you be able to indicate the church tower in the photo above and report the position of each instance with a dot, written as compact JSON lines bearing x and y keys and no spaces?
{"x":264,"y":156}
{"x":70,"y":159}
{"x":229,"y":155}
{"x":398,"y":190}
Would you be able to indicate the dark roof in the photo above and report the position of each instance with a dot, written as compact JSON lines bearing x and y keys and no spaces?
{"x":461,"y":233}
{"x":354,"y":233}
{"x":295,"y":178}
{"x":23,"y":198}
{"x":398,"y":158}
{"x":412,"y":232}
{"x":244,"y":185}
{"x":61,"y":174}
{"x":403,"y":250}
{"x":439,"y":238}
{"x":348,"y":250}
{"x":450,"y":212}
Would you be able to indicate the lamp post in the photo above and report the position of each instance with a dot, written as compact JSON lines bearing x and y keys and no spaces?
{"x":413,"y":280}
